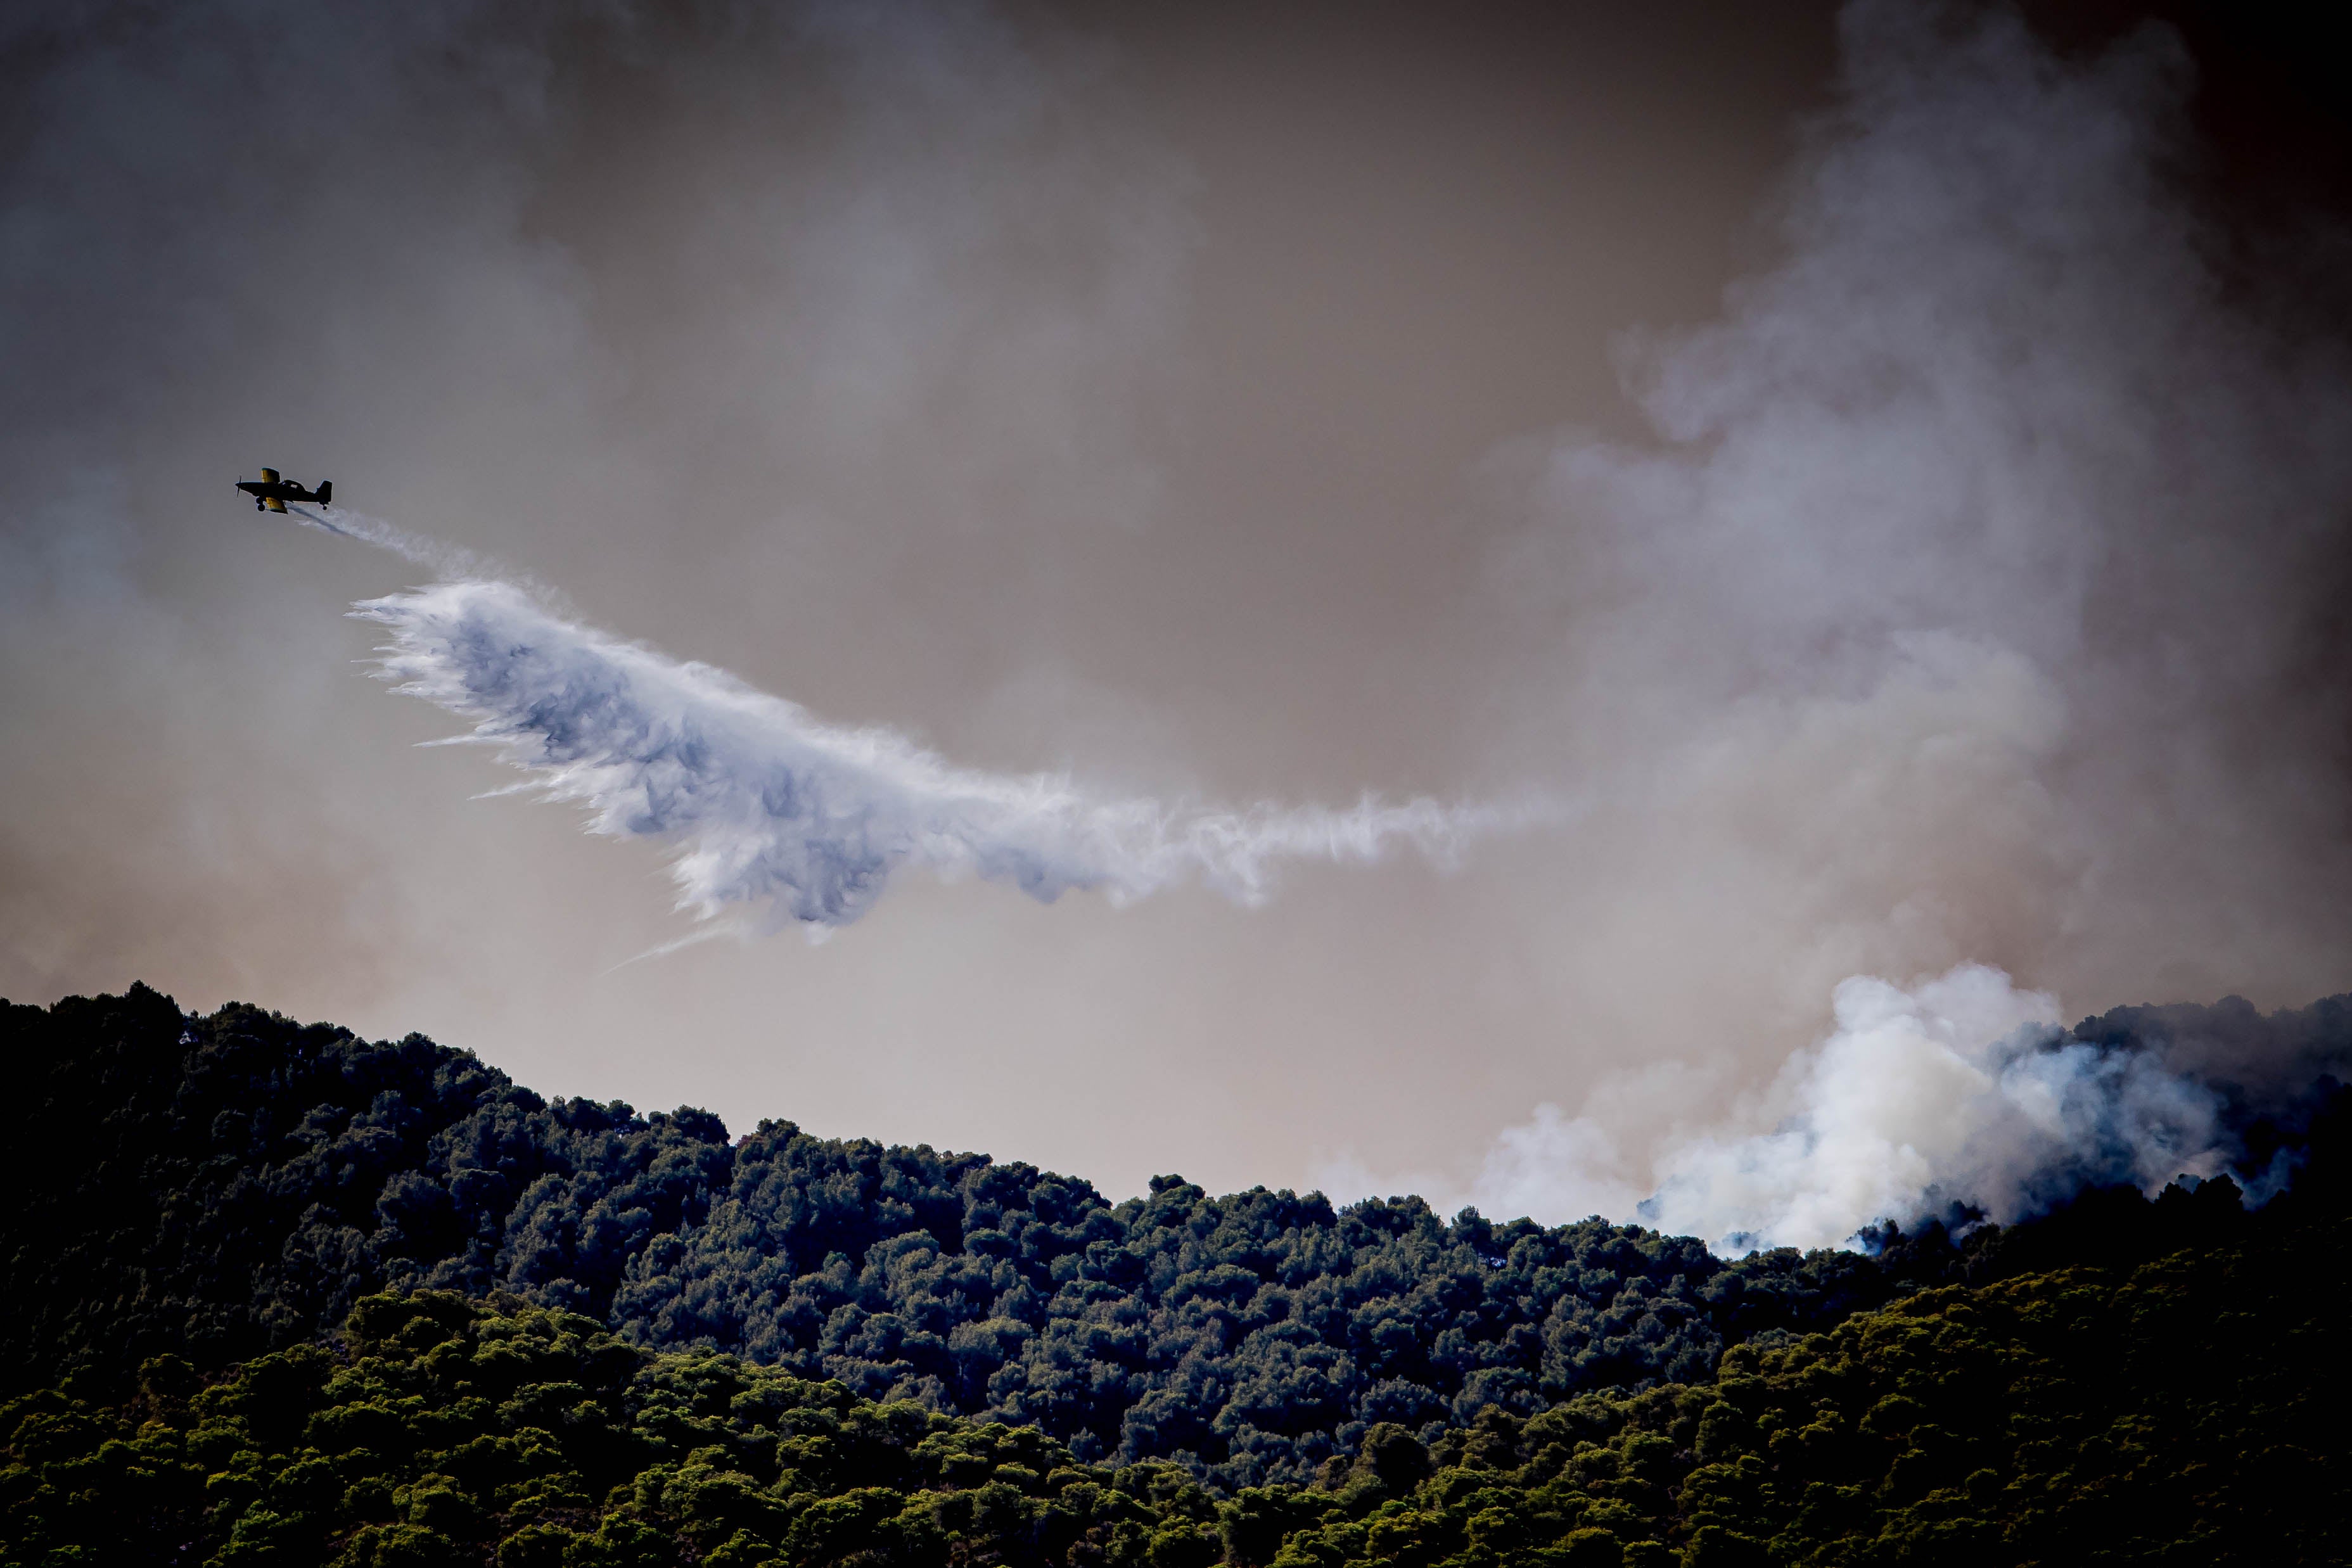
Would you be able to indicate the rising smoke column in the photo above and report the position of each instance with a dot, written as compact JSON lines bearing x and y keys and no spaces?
{"x":771,"y":807}
{"x":1975,"y":610}
{"x":1960,"y":1091}
{"x":1960,"y":1094}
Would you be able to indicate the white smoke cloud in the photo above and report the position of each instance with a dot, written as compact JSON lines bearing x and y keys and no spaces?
{"x":1953,"y":615}
{"x":1970,"y":600}
{"x":771,"y":807}
{"x":1554,"y":1165}
{"x":1961,"y":1090}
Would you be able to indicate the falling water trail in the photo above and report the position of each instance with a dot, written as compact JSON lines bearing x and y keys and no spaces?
{"x":449,"y":561}
{"x":772,"y":811}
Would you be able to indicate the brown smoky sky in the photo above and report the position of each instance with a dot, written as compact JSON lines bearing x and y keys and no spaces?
{"x":1884,"y":469}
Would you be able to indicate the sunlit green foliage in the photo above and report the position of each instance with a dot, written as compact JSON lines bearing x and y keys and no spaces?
{"x":447,"y":1429}
{"x":2182,"y":1411}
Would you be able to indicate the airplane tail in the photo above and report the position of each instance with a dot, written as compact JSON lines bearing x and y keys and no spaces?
{"x":326,"y":490}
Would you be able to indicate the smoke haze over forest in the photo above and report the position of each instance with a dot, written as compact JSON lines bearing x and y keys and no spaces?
{"x":1875,"y":477}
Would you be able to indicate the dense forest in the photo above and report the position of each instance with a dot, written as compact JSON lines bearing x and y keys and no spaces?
{"x":282,"y":1295}
{"x":2182,"y":1411}
{"x":215,"y":1188}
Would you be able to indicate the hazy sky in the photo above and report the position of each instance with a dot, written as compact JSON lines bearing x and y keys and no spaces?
{"x":1866,"y":474}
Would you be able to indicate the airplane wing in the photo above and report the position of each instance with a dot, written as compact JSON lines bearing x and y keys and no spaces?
{"x":274,"y":504}
{"x":269,"y":475}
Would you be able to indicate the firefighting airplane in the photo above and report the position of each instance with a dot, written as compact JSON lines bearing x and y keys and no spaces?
{"x":270,"y":492}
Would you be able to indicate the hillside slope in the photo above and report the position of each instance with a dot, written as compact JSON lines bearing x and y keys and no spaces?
{"x":2182,"y":1411}
{"x":217,"y":1187}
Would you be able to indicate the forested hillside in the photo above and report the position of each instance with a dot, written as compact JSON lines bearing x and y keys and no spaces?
{"x":280,"y":1295}
{"x":216,"y":1188}
{"x":2183,"y":1411}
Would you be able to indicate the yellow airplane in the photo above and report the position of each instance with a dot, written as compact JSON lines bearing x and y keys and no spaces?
{"x":270,"y":492}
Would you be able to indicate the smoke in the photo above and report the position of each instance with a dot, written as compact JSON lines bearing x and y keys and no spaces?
{"x":1987,"y":566}
{"x":771,"y":807}
{"x":1959,"y":1095}
{"x":1975,"y":611}
{"x":1971,"y":595}
{"x":1962,"y":1090}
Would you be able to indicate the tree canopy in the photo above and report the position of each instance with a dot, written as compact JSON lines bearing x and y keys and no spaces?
{"x":2178,"y":1411}
{"x":216,"y":1188}
{"x":282,"y":1295}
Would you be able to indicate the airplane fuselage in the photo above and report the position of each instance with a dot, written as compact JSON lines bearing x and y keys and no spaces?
{"x":271,"y":493}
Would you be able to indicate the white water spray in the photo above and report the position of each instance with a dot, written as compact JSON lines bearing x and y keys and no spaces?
{"x":449,"y":561}
{"x":772,"y":809}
